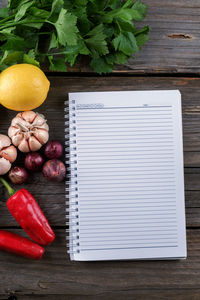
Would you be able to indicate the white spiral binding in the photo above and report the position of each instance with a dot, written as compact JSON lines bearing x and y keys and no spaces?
{"x":71,"y":182}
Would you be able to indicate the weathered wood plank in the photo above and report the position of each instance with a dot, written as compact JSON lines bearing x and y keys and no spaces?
{"x":55,"y":274}
{"x":151,"y":294}
{"x":147,"y":294}
{"x":174,"y":45}
{"x":51,"y":196}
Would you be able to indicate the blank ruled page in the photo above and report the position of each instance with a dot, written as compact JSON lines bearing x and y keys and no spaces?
{"x":127,"y":161}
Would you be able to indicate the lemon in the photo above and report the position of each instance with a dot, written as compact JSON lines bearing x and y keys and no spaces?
{"x":23,"y":87}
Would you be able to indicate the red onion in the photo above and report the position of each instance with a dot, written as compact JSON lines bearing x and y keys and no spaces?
{"x":54,"y":170}
{"x":34,"y":161}
{"x":18,"y":175}
{"x":53,"y":149}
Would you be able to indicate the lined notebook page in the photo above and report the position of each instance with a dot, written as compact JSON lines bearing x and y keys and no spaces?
{"x":127,"y":189}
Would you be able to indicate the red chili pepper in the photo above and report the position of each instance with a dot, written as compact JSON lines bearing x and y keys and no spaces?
{"x":14,"y":243}
{"x":28,"y":214}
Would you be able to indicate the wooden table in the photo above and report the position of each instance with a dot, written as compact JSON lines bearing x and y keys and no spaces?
{"x":171,"y":60}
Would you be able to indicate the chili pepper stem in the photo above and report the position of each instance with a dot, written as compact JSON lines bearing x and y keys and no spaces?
{"x":10,"y":190}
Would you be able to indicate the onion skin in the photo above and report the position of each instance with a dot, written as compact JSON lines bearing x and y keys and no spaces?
{"x":54,"y":170}
{"x":34,"y":161}
{"x":18,"y":175}
{"x":53,"y":149}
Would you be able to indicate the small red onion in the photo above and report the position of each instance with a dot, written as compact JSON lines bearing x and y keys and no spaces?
{"x":34,"y":161}
{"x":54,"y":170}
{"x":53,"y":149}
{"x":18,"y":175}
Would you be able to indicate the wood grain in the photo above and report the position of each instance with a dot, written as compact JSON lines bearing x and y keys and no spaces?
{"x":51,"y":196}
{"x":173,"y":48}
{"x":174,"y":45}
{"x":55,"y":277}
{"x":55,"y":274}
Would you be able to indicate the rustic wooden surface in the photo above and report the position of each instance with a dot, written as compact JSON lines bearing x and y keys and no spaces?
{"x":55,"y":277}
{"x":173,"y":51}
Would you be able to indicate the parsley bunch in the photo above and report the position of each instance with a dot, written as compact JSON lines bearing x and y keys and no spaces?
{"x":103,"y":30}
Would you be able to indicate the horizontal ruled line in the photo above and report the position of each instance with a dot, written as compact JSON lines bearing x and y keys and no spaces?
{"x":118,"y":117}
{"x":167,"y":222}
{"x":132,"y":199}
{"x":124,"y":207}
{"x":128,"y":238}
{"x":126,"y":226}
{"x":126,"y":248}
{"x":129,"y":179}
{"x":130,"y":163}
{"x":125,"y":107}
{"x":133,"y":194}
{"x":128,"y":231}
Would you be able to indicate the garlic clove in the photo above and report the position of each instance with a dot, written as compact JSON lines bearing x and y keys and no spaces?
{"x":5,"y":166}
{"x":9,"y":153}
{"x":34,"y":144}
{"x":24,"y":146}
{"x":39,"y":120}
{"x":16,"y":139}
{"x":17,"y":121}
{"x":13,"y":131}
{"x":4,"y":141}
{"x":28,"y":116}
{"x":41,"y":135}
{"x":44,"y":126}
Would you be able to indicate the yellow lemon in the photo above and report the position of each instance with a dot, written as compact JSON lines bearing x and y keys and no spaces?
{"x":23,"y":87}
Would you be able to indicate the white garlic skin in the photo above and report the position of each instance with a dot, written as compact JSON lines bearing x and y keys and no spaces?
{"x":29,"y":131}
{"x":8,"y":154}
{"x":5,"y":166}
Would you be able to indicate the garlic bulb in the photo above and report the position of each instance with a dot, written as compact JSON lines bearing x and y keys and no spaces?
{"x":8,"y":154}
{"x":29,"y":131}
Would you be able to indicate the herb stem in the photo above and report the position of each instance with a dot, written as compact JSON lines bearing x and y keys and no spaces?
{"x":41,"y":33}
{"x":56,"y":53}
{"x":6,"y":19}
{"x":18,"y":23}
{"x":10,"y":190}
{"x":49,"y":22}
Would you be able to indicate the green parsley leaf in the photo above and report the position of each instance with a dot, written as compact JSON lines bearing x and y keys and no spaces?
{"x":57,"y":64}
{"x":22,"y":10}
{"x":97,"y":41}
{"x":11,"y":57}
{"x":30,"y":58}
{"x":66,"y":28}
{"x":81,"y":2}
{"x":120,"y":58}
{"x":33,"y":22}
{"x":128,"y":3}
{"x":104,"y":30}
{"x":141,"y":9}
{"x":40,"y":13}
{"x":100,"y":66}
{"x":13,"y":42}
{"x":53,"y":42}
{"x":126,"y":43}
{"x":4,"y":12}
{"x":142,"y":39}
{"x":56,"y":6}
{"x":72,"y":52}
{"x":114,"y":3}
{"x":13,"y":3}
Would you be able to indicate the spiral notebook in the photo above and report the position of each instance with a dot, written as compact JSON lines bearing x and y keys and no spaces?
{"x":126,"y":189}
